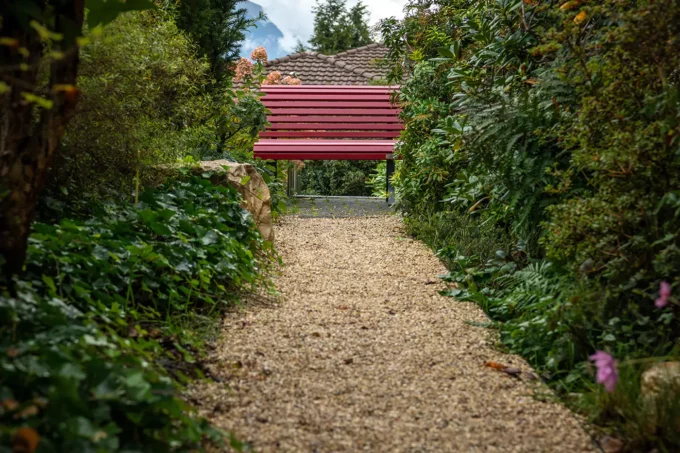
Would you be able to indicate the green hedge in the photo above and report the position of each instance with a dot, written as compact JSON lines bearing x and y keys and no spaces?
{"x":551,"y":129}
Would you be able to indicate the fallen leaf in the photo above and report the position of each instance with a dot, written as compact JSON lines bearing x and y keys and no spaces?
{"x":494,"y":365}
{"x":580,"y":17}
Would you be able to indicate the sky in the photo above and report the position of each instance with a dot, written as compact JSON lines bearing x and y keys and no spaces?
{"x":295,"y":19}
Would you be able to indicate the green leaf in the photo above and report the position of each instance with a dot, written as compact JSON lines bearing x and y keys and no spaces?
{"x":102,"y":12}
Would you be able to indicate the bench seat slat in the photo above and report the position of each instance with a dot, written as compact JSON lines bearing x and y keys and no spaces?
{"x":329,"y":104}
{"x":330,"y":119}
{"x":339,"y":148}
{"x":322,"y":156}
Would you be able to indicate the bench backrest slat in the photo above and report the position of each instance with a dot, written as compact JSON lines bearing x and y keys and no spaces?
{"x":329,"y":122}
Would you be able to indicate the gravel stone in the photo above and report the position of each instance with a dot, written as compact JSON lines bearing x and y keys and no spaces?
{"x":361,"y":353}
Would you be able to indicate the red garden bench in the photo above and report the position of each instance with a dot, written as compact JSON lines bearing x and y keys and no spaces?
{"x":330,"y":122}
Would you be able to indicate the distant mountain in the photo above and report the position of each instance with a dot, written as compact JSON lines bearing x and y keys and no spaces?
{"x":265,"y":34}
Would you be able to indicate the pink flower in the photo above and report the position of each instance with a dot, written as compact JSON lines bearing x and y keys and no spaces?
{"x":288,"y":80}
{"x":664,"y":294}
{"x":607,"y":374}
{"x":243,"y":68}
{"x":259,"y":54}
{"x":274,"y":78}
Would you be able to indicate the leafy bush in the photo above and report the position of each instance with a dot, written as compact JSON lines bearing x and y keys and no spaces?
{"x":110,"y":304}
{"x":145,"y":102}
{"x":141,"y":105}
{"x":553,"y":129}
{"x":74,"y":386}
{"x":336,"y":177}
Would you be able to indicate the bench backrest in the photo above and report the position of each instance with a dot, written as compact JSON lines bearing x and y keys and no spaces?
{"x":321,"y":111}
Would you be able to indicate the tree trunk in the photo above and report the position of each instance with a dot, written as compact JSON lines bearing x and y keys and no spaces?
{"x":27,"y":143}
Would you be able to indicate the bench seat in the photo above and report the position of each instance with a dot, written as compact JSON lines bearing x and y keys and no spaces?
{"x":269,"y":149}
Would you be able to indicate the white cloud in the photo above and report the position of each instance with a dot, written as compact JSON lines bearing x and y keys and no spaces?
{"x":295,"y":19}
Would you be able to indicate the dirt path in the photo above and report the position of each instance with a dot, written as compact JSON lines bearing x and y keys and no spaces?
{"x":362,"y":354}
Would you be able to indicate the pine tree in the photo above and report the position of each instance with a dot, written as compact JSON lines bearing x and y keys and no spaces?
{"x":336,"y":29}
{"x":218,"y":28}
{"x":360,"y":35}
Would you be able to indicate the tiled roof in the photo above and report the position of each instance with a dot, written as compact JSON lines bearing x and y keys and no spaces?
{"x":352,"y":67}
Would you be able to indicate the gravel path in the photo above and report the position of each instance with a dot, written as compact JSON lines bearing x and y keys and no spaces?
{"x":361,"y":354}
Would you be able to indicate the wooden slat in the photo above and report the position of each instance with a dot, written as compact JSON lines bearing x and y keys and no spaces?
{"x":327,"y":104}
{"x":331,"y":119}
{"x":330,"y":89}
{"x":324,"y":142}
{"x":336,"y":126}
{"x":330,"y":134}
{"x":329,"y":122}
{"x":321,"y":156}
{"x":326,"y":97}
{"x":334,"y":112}
{"x":340,"y":147}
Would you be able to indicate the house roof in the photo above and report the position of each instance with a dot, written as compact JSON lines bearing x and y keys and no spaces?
{"x":352,"y":67}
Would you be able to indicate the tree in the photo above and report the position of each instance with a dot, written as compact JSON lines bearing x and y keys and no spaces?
{"x":299,"y":47}
{"x":360,"y":34}
{"x":336,"y":29}
{"x":218,"y":27}
{"x":40,"y":43}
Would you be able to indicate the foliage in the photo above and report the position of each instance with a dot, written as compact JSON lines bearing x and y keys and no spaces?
{"x":299,"y":47}
{"x":40,"y":59}
{"x":336,"y":177}
{"x":108,"y":303}
{"x":551,"y":127}
{"x":377,"y":181}
{"x":336,"y":29}
{"x":141,"y":106}
{"x":218,"y":27}
{"x":144,"y":104}
{"x":74,"y":386}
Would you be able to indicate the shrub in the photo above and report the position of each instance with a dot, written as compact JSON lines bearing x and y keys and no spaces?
{"x":115,"y":309}
{"x":145,"y":102}
{"x":553,"y":127}
{"x":141,"y":105}
{"x":72,"y":385}
{"x":336,"y":177}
